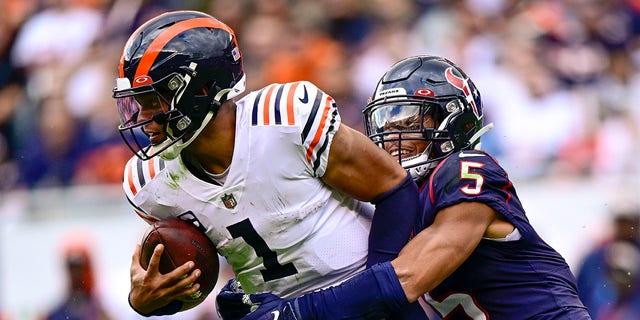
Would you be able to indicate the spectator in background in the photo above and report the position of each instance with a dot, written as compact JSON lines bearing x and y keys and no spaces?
{"x":623,"y":262}
{"x":61,"y":33}
{"x":573,"y":68}
{"x":608,"y":281}
{"x":12,"y":80}
{"x":81,"y":301}
{"x":49,"y":155}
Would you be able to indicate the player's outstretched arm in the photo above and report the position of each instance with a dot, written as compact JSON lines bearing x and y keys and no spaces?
{"x":371,"y":294}
{"x":440,"y":249}
{"x":389,"y":287}
{"x":153,"y":293}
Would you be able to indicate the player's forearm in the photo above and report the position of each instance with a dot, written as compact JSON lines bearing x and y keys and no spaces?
{"x":374,"y":293}
{"x":437,"y":251}
{"x":395,"y":217}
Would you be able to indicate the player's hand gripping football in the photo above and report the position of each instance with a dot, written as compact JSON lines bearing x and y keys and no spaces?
{"x":233,"y":303}
{"x":152,"y":290}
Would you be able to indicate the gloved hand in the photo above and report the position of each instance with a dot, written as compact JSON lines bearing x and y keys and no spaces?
{"x":232,"y":303}
{"x":272,"y":307}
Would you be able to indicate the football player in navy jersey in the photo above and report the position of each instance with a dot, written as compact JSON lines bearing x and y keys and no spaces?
{"x":260,"y":175}
{"x":476,"y":256}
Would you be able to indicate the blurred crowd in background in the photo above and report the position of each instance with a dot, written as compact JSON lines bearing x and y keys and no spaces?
{"x":559,"y":78}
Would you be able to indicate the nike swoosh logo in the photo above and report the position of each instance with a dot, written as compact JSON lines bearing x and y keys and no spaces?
{"x":467,"y":155}
{"x":304,"y":99}
{"x":276,"y":313}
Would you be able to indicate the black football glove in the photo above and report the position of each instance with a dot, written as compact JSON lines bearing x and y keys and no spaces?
{"x":232,"y":303}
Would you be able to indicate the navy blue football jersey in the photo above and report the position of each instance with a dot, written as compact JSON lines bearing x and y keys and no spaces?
{"x":518,"y":277}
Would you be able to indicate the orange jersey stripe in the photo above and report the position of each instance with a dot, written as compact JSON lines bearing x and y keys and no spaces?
{"x":163,"y":38}
{"x":290,"y":116}
{"x":129,"y":170}
{"x":265,"y":106}
{"x":152,"y":169}
{"x":318,"y":135}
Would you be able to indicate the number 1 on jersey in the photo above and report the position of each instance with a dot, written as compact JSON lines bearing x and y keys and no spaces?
{"x":273,"y":269}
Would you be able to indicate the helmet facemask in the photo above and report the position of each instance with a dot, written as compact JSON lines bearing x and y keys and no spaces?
{"x":417,"y":131}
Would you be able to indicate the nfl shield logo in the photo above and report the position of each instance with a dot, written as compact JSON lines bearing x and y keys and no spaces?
{"x":229,"y":201}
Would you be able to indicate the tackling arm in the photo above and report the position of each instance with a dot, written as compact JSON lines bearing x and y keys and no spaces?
{"x":363,"y":170}
{"x":390,"y":286}
{"x":440,"y":249}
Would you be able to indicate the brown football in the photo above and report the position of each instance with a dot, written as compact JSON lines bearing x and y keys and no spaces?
{"x":182,"y":242}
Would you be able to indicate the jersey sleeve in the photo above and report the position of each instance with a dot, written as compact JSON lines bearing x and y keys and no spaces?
{"x":137,"y":174}
{"x":306,"y":107}
{"x":472,"y":175}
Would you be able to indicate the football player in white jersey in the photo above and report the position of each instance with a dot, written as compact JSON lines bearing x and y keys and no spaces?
{"x":278,"y":184}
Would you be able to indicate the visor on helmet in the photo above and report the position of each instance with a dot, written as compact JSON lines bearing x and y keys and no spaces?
{"x":391,"y":117}
{"x":153,"y":95}
{"x":157,"y":100}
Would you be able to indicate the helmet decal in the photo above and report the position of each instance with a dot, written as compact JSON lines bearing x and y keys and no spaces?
{"x":391,"y":92}
{"x":235,"y":52}
{"x":142,"y":81}
{"x":462,"y":85}
{"x":425,"y":92}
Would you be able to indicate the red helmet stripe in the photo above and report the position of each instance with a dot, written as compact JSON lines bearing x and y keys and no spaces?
{"x":163,"y":38}
{"x":127,"y":45}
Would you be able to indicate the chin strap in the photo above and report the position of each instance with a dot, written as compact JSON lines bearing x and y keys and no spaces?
{"x":237,"y":89}
{"x":173,"y":151}
{"x":477,"y":135}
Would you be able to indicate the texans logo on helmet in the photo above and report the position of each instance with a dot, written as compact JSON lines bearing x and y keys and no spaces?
{"x":462,"y":85}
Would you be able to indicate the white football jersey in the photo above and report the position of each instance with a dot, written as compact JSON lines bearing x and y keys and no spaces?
{"x":278,"y":225}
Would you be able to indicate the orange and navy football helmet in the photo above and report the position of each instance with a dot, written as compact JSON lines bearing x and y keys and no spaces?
{"x":187,"y":60}
{"x":431,"y":101}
